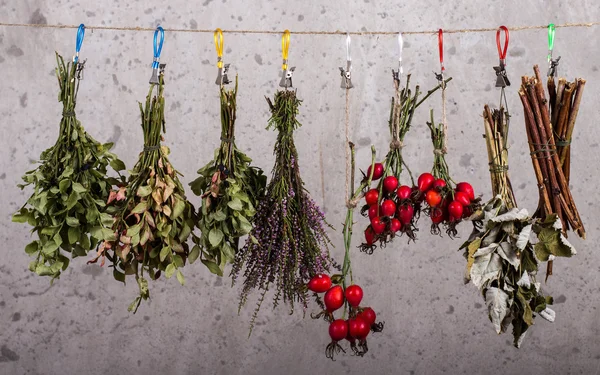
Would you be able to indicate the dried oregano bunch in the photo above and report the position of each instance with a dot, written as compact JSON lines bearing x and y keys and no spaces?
{"x":152,"y":218}
{"x":289,"y":243}
{"x":230,"y":188}
{"x":70,"y":187}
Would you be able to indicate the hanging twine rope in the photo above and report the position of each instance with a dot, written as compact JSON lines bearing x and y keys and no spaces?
{"x":316,"y":32}
{"x":350,"y":203}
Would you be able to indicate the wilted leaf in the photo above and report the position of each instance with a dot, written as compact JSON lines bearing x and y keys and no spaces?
{"x":215,"y":236}
{"x":170,"y":270}
{"x":140,"y":208}
{"x":486,"y":250}
{"x":548,"y":314}
{"x":212,"y":267}
{"x":178,"y":208}
{"x":31,"y":248}
{"x":144,"y":191}
{"x":180,"y":278}
{"x":509,"y":253}
{"x":78,"y":188}
{"x":497,"y":302}
{"x":524,"y":281}
{"x":194,"y":254}
{"x":164,"y":253}
{"x":527,"y":313}
{"x":512,"y":215}
{"x":73,"y":235}
{"x":485,"y":268}
{"x":235,"y":204}
{"x":523,"y":238}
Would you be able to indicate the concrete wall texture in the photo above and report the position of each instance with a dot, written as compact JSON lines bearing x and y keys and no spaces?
{"x":434,"y":324}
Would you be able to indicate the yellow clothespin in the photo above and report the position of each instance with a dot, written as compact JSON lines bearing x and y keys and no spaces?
{"x":286,"y":73}
{"x":223,"y":68}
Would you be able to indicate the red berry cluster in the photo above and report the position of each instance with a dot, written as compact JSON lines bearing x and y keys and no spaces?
{"x":360,"y":322}
{"x":446,"y":205}
{"x":395,"y":211}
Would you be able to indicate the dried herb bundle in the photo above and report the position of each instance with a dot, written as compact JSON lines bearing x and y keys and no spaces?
{"x":230,"y":188}
{"x":289,"y":243}
{"x":502,"y":258}
{"x":70,"y":187}
{"x":555,"y":195}
{"x":152,"y":217}
{"x":496,"y":138}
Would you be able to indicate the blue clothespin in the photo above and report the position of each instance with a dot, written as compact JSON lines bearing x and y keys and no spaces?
{"x":79,"y":42}
{"x":158,"y":44}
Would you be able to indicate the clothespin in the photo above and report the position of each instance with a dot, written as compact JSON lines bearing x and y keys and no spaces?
{"x":346,"y":73}
{"x":552,"y":64}
{"x":158,"y":44}
{"x":286,"y":72}
{"x":223,"y":68}
{"x":78,"y":43}
{"x":398,"y":74}
{"x":501,"y":77}
{"x":440,"y":76}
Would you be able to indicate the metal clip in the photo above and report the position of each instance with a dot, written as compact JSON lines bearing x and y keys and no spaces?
{"x":347,"y":73}
{"x":286,"y":76}
{"x":158,"y":43}
{"x":501,"y":77}
{"x":286,"y":72}
{"x":397,"y":75}
{"x":222,"y":78}
{"x":553,"y":69}
{"x":79,"y":69}
{"x":552,"y":63}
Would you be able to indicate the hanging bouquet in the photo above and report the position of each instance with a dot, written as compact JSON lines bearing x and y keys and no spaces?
{"x":151,"y":217}
{"x":391,"y":208}
{"x":447,"y":203}
{"x":356,"y":321}
{"x":230,"y":189}
{"x":502,"y":254}
{"x":288,"y":244}
{"x":70,"y":186}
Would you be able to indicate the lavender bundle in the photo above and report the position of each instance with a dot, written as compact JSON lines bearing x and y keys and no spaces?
{"x":289,"y":243}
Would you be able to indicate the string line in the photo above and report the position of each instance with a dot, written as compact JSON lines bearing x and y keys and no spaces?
{"x":347,"y":148}
{"x":307,"y":32}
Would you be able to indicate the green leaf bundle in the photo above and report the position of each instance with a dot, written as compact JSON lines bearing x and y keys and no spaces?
{"x":152,"y":217}
{"x":70,"y":186}
{"x":230,"y":188}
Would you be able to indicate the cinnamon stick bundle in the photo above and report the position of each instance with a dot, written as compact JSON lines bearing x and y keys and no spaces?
{"x":550,"y":158}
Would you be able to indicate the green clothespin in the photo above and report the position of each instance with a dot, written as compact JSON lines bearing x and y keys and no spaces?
{"x":552,"y":64}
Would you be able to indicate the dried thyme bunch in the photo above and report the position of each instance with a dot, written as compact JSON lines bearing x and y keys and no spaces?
{"x":289,"y":243}
{"x":230,"y":188}
{"x":152,"y":217}
{"x":70,"y":187}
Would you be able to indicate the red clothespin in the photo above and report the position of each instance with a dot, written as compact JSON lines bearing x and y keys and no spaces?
{"x":441,"y":47}
{"x":501,"y":77}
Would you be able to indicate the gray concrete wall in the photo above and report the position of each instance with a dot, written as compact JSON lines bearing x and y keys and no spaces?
{"x":434,"y":324}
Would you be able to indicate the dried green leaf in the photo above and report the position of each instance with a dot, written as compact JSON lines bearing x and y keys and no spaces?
{"x":164,"y":253}
{"x":170,"y":270}
{"x":215,"y":236}
{"x":194,"y":254}
{"x":180,"y":278}
{"x":212,"y":267}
